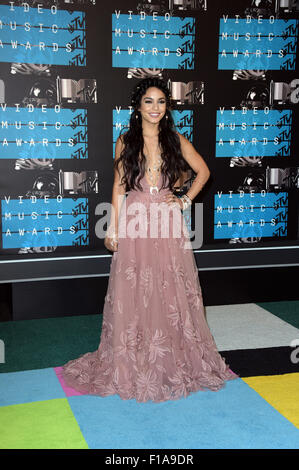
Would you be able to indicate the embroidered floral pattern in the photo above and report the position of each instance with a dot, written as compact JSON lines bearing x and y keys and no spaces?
{"x":146,"y":284}
{"x":131,"y":274}
{"x":155,"y":342}
{"x":176,"y":269}
{"x":157,"y":347}
{"x":194,"y":294}
{"x":120,"y":306}
{"x":174,"y":315}
{"x":147,"y":385}
{"x":126,"y":348}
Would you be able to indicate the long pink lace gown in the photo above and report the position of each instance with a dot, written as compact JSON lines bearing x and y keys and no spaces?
{"x":155,"y":342}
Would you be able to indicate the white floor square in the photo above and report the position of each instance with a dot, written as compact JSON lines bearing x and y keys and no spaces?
{"x":248,"y":326}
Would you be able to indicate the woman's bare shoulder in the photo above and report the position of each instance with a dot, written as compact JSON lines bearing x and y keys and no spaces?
{"x":185,"y":144}
{"x":183,"y":139}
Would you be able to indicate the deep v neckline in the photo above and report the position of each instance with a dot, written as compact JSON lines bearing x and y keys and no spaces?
{"x":157,"y":182}
{"x":149,"y":184}
{"x":145,"y":176}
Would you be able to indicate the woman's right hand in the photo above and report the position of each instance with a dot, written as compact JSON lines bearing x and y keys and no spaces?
{"x":111,"y":243}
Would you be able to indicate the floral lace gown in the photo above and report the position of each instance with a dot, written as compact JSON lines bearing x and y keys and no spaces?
{"x":155,"y":342}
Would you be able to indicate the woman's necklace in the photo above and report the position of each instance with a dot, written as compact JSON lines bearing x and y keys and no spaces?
{"x":153,"y":172}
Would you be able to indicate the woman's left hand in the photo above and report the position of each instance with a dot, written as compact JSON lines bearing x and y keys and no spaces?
{"x":172,"y":199}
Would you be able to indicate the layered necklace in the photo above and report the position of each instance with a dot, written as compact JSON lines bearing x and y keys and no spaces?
{"x":154,"y":171}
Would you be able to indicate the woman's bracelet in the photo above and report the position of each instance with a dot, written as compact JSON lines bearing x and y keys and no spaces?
{"x":186,"y":201}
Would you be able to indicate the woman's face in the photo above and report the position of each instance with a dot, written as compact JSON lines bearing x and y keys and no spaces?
{"x":153,"y":105}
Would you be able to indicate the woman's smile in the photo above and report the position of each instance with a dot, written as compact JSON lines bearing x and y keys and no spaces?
{"x":153,"y":105}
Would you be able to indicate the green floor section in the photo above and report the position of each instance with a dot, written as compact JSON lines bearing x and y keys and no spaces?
{"x":38,"y":344}
{"x":288,"y":311}
{"x":40,"y":425}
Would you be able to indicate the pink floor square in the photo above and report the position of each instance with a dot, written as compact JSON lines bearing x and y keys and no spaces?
{"x":69,"y":392}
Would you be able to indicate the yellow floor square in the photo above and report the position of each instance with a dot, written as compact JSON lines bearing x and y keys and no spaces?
{"x":281,"y":392}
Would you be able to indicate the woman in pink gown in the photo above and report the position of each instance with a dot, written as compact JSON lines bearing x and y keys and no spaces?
{"x":155,"y":342}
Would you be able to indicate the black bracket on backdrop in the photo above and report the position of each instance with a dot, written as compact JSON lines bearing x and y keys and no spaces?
{"x":39,"y":269}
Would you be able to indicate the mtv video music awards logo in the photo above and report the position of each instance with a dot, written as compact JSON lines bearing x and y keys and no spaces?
{"x":43,"y":222}
{"x":250,"y":214}
{"x":257,"y":43}
{"x":183,"y":120}
{"x":43,"y":132}
{"x":253,"y":132}
{"x":153,"y":41}
{"x":42,"y":35}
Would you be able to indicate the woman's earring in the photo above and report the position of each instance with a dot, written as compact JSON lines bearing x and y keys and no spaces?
{"x":166,"y":117}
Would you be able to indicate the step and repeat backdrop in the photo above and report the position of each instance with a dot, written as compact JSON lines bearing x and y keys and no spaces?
{"x":67,"y":69}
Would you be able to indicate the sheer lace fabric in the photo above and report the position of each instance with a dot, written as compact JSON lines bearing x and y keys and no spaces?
{"x":155,"y":341}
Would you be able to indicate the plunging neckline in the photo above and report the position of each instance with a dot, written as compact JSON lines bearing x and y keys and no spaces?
{"x":145,"y":177}
{"x":152,"y":185}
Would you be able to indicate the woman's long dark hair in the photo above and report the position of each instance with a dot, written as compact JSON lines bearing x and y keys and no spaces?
{"x":173,"y":163}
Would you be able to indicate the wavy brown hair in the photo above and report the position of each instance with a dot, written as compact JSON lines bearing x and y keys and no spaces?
{"x":132,"y":156}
